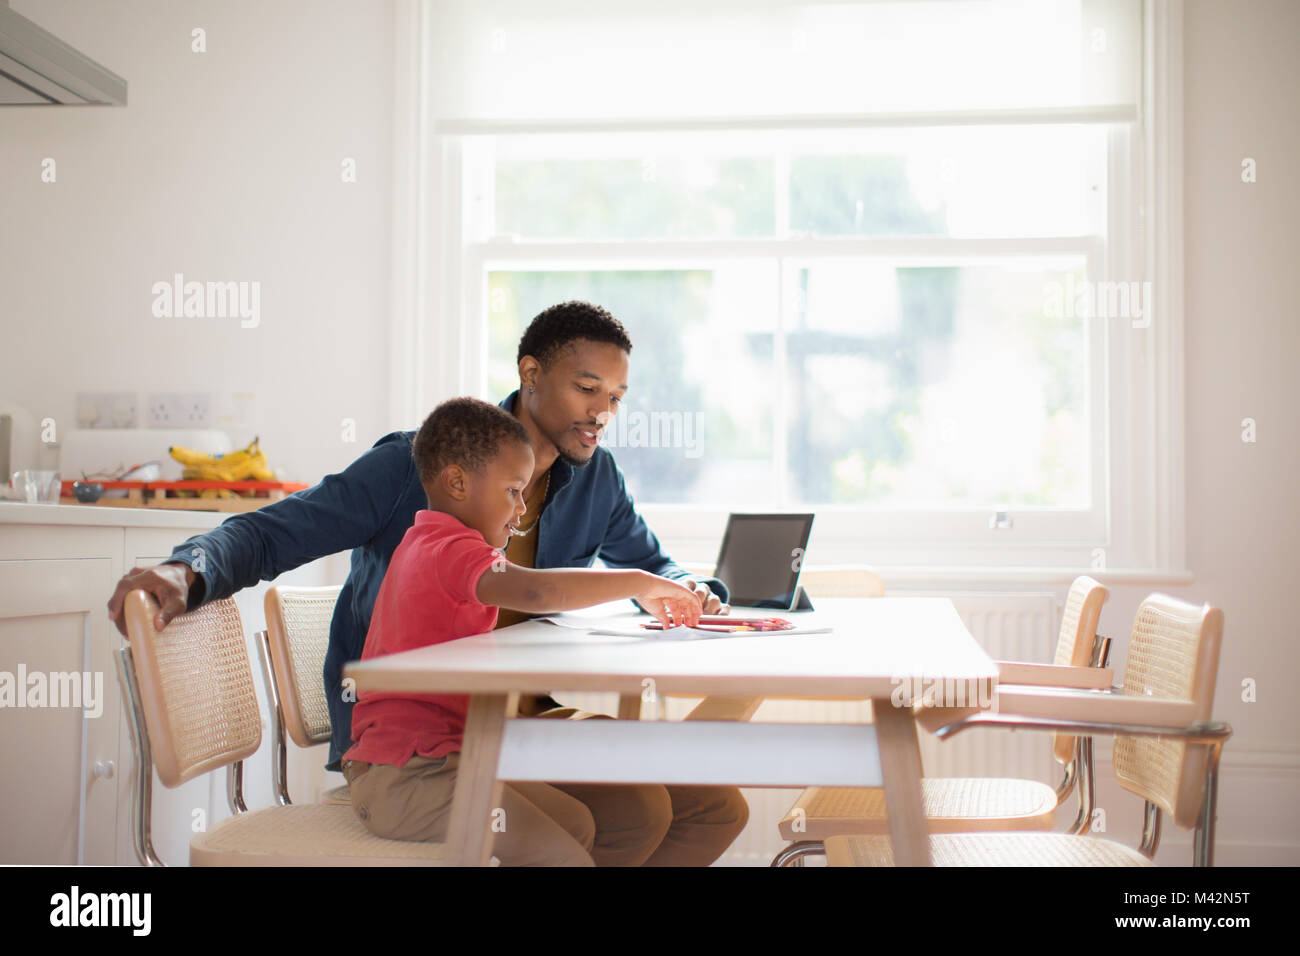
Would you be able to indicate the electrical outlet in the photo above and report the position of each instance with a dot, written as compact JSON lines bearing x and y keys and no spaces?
{"x":124,"y":412}
{"x":196,"y":410}
{"x":159,"y":411}
{"x":180,"y":410}
{"x":106,"y":410}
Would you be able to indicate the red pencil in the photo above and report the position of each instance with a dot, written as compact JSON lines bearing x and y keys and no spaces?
{"x":727,"y":624}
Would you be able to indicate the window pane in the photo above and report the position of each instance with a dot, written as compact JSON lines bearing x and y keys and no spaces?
{"x":696,"y":424}
{"x":970,"y":182}
{"x":967,"y":182}
{"x":937,"y":386}
{"x":631,"y":187}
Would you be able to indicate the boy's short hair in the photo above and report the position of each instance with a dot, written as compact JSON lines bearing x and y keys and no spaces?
{"x":556,"y":327}
{"x":463,"y":431}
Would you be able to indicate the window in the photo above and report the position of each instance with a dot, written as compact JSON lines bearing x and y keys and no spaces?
{"x":910,"y":318}
{"x":784,"y":364}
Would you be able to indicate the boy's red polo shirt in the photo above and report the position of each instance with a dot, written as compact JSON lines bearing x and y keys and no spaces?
{"x":427,"y":597}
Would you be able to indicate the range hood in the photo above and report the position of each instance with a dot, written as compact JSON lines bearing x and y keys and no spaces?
{"x":39,"y":69}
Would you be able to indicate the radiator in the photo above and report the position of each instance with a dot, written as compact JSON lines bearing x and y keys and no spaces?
{"x":1009,"y":626}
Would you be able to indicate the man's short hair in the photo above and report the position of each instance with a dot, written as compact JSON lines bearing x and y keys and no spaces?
{"x":556,"y":327}
{"x":463,"y":431}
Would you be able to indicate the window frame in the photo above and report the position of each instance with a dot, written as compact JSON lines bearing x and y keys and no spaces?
{"x":1140,"y":497}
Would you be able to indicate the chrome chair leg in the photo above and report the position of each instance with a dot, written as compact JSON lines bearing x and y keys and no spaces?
{"x":235,"y":788}
{"x":1203,"y":840}
{"x":1068,"y":781}
{"x":1083,"y":756}
{"x":1100,"y":651}
{"x":142,"y":771}
{"x":793,"y":854}
{"x":279,"y":759}
{"x":1150,"y":831}
{"x":1083,"y":753}
{"x":1082,"y":763}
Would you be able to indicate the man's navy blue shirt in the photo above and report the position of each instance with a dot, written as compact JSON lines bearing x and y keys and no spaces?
{"x":368,"y":508}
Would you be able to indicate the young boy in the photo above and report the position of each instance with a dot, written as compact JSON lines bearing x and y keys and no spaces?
{"x":446,"y":580}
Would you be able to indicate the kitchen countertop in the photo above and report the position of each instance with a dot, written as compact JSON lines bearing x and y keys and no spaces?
{"x":24,"y":526}
{"x":21,"y":513}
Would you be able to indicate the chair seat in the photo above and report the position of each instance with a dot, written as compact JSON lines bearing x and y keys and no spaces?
{"x":951,"y":804}
{"x":990,"y":849}
{"x":337,"y":797}
{"x":306,"y":835}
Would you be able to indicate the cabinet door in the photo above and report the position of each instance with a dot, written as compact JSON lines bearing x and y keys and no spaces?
{"x":56,"y":646}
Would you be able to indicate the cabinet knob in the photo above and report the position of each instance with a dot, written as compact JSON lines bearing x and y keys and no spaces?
{"x":103,"y":769}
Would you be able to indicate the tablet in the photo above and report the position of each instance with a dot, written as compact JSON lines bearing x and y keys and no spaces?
{"x":761,"y":557}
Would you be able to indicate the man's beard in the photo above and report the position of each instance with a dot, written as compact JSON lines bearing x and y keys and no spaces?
{"x":569,"y":459}
{"x":574,"y":462}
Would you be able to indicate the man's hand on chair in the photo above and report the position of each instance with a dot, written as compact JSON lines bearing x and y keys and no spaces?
{"x":168,"y":583}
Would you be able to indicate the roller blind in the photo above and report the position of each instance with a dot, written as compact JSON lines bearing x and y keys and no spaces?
{"x":635,"y":59}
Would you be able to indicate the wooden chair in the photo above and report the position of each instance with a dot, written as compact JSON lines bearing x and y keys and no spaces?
{"x":192,"y":708}
{"x":292,"y":652}
{"x":1167,"y":750}
{"x":979,"y":803}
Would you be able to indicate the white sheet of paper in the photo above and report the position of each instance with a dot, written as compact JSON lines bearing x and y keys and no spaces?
{"x":628,"y":625}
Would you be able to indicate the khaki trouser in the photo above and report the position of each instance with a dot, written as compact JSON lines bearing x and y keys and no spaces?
{"x":562,"y":824}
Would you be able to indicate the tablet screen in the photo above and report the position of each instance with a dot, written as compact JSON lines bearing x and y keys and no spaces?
{"x":761,"y":556}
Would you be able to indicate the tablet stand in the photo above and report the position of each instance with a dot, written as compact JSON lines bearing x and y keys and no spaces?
{"x":802,"y":602}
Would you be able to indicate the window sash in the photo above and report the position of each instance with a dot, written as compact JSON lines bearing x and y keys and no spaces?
{"x":932,"y":524}
{"x":483,"y":252}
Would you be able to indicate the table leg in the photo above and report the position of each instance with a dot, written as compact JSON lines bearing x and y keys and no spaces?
{"x":478,"y":791}
{"x":900,"y":764}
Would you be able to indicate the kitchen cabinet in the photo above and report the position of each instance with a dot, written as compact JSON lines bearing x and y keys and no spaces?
{"x":66,"y":783}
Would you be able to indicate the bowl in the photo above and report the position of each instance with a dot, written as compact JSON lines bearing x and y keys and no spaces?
{"x":149,"y":471}
{"x":87,"y":492}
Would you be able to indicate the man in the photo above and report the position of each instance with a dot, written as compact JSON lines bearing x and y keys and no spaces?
{"x":573,"y":372}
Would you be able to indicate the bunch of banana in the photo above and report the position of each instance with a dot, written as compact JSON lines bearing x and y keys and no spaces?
{"x":247,"y":464}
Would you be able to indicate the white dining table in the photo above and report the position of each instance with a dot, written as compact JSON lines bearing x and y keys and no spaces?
{"x":883,"y":649}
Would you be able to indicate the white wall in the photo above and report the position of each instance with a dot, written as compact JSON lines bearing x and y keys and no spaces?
{"x":1243,"y":344}
{"x":224,"y":165}
{"x":1242,"y":353}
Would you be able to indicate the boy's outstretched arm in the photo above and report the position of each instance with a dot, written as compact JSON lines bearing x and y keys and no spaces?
{"x":558,"y":589}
